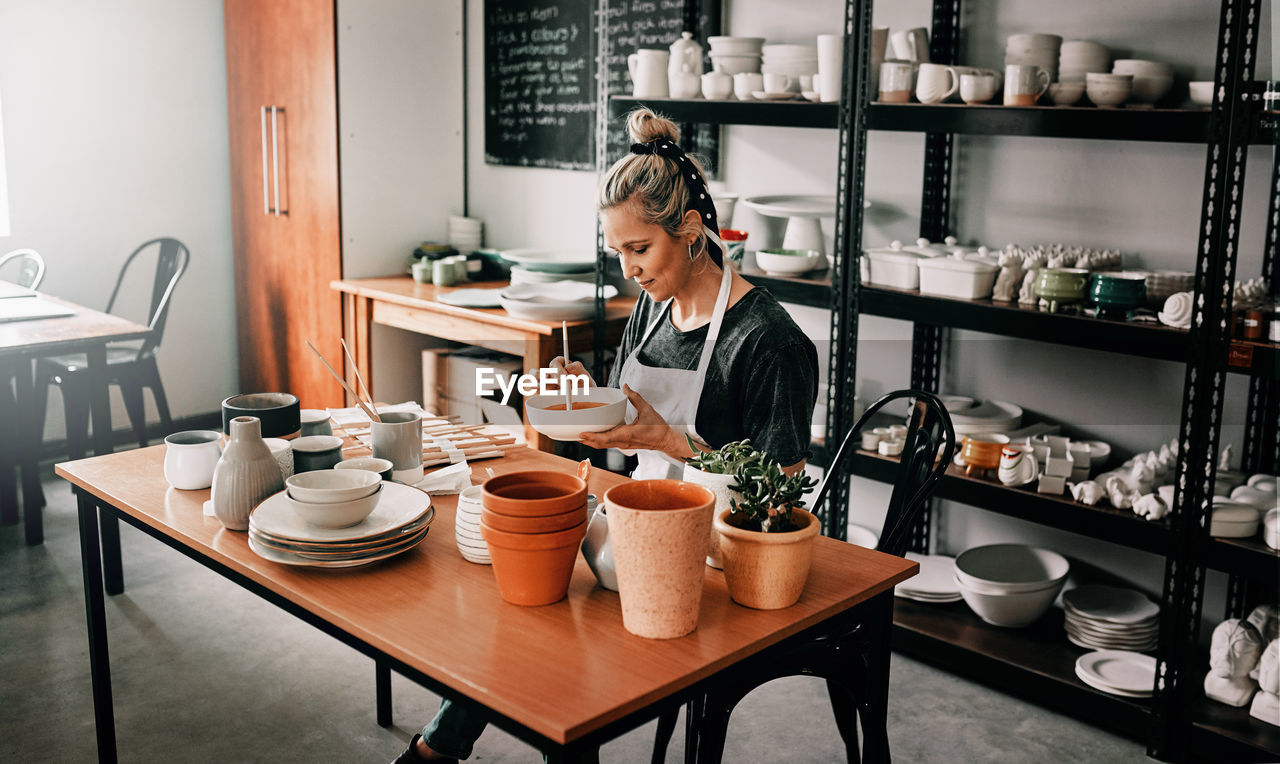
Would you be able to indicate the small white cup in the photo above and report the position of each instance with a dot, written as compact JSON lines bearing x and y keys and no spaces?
{"x":977,"y":88}
{"x":776,"y":84}
{"x":746,"y":83}
{"x":189,"y":458}
{"x":716,"y":86}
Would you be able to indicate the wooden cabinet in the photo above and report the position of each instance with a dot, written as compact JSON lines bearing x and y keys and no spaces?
{"x":282,"y":108}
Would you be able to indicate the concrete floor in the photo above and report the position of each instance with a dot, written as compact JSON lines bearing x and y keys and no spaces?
{"x":203,"y":671}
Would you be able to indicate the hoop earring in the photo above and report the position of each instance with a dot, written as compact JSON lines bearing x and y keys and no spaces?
{"x":692,"y":256}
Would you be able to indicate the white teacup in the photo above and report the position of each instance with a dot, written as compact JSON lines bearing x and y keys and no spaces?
{"x":716,"y":86}
{"x":936,"y":83}
{"x":189,"y":458}
{"x":977,"y":88}
{"x":746,"y":83}
{"x":776,"y":84}
{"x":684,"y":85}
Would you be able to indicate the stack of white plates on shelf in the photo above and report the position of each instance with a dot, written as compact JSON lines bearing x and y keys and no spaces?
{"x":987,"y":416}
{"x":1162,"y":284}
{"x":936,"y":581}
{"x":1118,"y":672}
{"x":554,"y":301}
{"x":466,"y":234}
{"x":1109,"y":617}
{"x":401,"y":520}
{"x":795,"y":61}
{"x":1080,"y":57}
{"x":1040,"y":50}
{"x":552,"y":260}
{"x":522,"y":275}
{"x":733,"y":55}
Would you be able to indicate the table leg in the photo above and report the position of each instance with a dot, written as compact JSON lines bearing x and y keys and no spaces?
{"x":357,"y":330}
{"x":100,"y":408}
{"x":586,"y":754}
{"x":537,"y":355}
{"x":875,"y":708}
{"x":8,"y":447}
{"x":29,"y":459}
{"x":382,"y":682}
{"x":96,"y":616}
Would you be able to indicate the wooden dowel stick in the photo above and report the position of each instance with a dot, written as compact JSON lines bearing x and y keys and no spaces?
{"x":373,"y":415}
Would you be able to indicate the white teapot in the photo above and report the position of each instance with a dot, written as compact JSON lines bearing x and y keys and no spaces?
{"x":686,"y":56}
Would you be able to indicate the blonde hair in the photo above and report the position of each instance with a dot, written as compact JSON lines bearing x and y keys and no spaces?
{"x":649,"y":182}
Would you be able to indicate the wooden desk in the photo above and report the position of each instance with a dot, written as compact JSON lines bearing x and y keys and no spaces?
{"x":401,"y":302}
{"x":89,"y":332}
{"x":564,"y":678}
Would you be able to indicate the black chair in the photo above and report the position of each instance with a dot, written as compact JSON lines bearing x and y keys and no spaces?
{"x":30,"y":266}
{"x":130,"y":366}
{"x":855,"y":663}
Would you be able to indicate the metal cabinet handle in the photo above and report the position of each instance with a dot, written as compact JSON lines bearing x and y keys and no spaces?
{"x":266,"y":200}
{"x":275,"y":160}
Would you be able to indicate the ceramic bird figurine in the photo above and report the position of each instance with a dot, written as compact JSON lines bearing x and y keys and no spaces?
{"x":1086,"y":491}
{"x":1150,"y":506}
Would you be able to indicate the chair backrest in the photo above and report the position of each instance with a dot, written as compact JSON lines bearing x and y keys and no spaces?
{"x":170,"y":264}
{"x":30,"y":267}
{"x":927,"y":451}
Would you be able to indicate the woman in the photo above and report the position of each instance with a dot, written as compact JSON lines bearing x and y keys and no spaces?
{"x":704,"y":354}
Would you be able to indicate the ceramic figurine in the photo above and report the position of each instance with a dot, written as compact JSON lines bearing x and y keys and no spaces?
{"x":1266,"y":620}
{"x":1233,"y":653}
{"x":1119,"y":492}
{"x":1177,"y":311}
{"x":1027,"y":294}
{"x":1017,"y":466}
{"x":1151,"y":507}
{"x":1266,"y":704}
{"x":1009,"y":279}
{"x":1086,"y":491}
{"x":1224,"y":458}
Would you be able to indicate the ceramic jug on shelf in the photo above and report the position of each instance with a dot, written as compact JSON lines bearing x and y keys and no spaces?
{"x":686,"y":56}
{"x":648,"y":69}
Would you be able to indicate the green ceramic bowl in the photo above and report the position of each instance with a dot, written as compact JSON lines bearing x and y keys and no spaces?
{"x":1061,"y":284}
{"x":1120,"y":289}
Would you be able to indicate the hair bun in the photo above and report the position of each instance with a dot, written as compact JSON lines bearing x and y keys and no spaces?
{"x":643,"y":125}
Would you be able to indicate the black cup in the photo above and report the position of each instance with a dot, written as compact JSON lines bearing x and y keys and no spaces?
{"x":279,"y":412}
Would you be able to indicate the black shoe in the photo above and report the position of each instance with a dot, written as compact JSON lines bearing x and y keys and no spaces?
{"x":410,"y":754}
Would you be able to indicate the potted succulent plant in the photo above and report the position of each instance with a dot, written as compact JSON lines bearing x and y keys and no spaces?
{"x":766,"y":537}
{"x":717,"y":470}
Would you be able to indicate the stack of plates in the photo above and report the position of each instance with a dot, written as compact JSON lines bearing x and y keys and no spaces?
{"x":1107,"y":617}
{"x":1076,"y":58}
{"x":1118,"y":672}
{"x":733,"y":55}
{"x":552,"y":260}
{"x":988,"y":416}
{"x":466,"y":234}
{"x":401,"y":519}
{"x":1162,"y":284}
{"x":522,"y":275}
{"x":936,"y":581}
{"x":795,"y":61}
{"x":553,"y":301}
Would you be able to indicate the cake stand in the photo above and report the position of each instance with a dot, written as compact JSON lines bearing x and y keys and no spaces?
{"x":803,"y":213}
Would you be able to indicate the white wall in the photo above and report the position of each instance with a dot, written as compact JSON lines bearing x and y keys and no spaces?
{"x":115,"y":125}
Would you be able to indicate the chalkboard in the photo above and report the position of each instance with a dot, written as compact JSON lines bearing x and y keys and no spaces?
{"x":540,"y":76}
{"x":539,"y":85}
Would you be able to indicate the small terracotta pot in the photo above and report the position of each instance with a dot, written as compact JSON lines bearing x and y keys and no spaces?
{"x":541,"y":524}
{"x":767,"y":571}
{"x":658,"y":531}
{"x":535,"y":493}
{"x":533,"y":568}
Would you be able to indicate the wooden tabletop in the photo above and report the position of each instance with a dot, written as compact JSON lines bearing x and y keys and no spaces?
{"x":403,"y":290}
{"x":562,"y":670}
{"x":68,"y":333}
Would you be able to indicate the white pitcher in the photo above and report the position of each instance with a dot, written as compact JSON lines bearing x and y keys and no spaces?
{"x":648,"y":68}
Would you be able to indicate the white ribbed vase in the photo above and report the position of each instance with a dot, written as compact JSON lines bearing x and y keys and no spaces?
{"x":246,"y":474}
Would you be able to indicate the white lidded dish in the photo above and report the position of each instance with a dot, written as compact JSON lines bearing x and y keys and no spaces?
{"x":958,"y":275}
{"x":895,"y":266}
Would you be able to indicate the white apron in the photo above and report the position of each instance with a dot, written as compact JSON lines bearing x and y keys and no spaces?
{"x":673,"y":393}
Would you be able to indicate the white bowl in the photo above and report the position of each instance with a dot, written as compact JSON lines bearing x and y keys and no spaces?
{"x":1202,"y":92}
{"x":782,"y":52}
{"x":735,"y":64}
{"x":1109,"y":90}
{"x":1010,"y":609}
{"x":568,"y":425}
{"x":788,"y":262}
{"x":735,"y":46}
{"x":332,"y":486}
{"x":1141,"y":67}
{"x":1150,"y":89}
{"x":1011,"y":567}
{"x":338,"y":514}
{"x":1066,"y":93}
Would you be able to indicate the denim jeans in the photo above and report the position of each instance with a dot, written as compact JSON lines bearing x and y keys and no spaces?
{"x":456,"y":728}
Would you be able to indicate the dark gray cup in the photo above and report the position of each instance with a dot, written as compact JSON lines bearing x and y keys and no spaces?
{"x":398,"y":438}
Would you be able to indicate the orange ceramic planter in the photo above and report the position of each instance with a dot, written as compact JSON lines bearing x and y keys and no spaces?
{"x":541,"y":524}
{"x":658,"y":531}
{"x":982,"y":452}
{"x":533,"y":568}
{"x":535,"y":493}
{"x":767,"y":571}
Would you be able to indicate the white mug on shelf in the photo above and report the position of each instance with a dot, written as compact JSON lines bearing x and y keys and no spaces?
{"x":648,"y":69}
{"x":936,"y":83}
{"x":746,"y":83}
{"x":1024,"y":84}
{"x":775,"y":84}
{"x":911,"y":45}
{"x":895,"y":81}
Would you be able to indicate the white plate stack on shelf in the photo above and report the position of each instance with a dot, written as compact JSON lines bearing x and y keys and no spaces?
{"x":1080,"y":57}
{"x":466,"y":234}
{"x":1118,"y":672}
{"x":1111,"y":618}
{"x":734,"y":55}
{"x":1161,"y":285}
{"x":936,"y":581}
{"x":523,"y":275}
{"x":401,"y":520}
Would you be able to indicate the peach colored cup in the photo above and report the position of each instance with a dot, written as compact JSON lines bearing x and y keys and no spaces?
{"x":658,"y":530}
{"x":534,"y":493}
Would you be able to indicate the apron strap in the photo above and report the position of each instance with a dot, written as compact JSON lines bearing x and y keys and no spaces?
{"x":717,"y":318}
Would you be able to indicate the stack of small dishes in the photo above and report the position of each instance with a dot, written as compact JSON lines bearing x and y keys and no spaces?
{"x":1151,"y":80}
{"x":1111,"y":618}
{"x":533,"y":523}
{"x":1080,"y":57}
{"x":522,"y":275}
{"x":789,"y":262}
{"x":1010,"y":584}
{"x":553,"y":301}
{"x":1161,"y":285}
{"x":552,"y":260}
{"x":794,"y":61}
{"x":987,"y":416}
{"x":936,"y":581}
{"x":1034,"y":49}
{"x":1118,"y":672}
{"x":466,"y":234}
{"x":279,"y":532}
{"x":733,"y":55}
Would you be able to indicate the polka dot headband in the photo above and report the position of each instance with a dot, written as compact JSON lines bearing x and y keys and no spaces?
{"x":699,"y":197}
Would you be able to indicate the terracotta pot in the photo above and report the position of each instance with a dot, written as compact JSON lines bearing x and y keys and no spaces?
{"x":533,"y":568}
{"x":719,"y":485}
{"x":535,"y":493}
{"x":246,"y":474}
{"x":658,"y":532}
{"x":767,"y":571}
{"x":541,"y":524}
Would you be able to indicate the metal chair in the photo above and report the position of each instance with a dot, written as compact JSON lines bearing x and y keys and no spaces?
{"x":130,"y":366}
{"x":854,"y":664}
{"x":30,"y":267}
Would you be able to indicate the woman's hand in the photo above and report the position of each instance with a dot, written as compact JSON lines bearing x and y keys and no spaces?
{"x":648,"y":431}
{"x":571,"y":368}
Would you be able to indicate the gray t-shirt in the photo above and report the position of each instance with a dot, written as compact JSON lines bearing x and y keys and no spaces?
{"x":762,"y":382}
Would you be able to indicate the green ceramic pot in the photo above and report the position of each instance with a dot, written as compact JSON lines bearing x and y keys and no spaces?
{"x":1061,"y":286}
{"x":1117,"y":294}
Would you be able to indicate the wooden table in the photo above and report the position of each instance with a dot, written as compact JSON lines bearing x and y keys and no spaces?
{"x":565,"y":677}
{"x":89,"y":332}
{"x":401,"y":302}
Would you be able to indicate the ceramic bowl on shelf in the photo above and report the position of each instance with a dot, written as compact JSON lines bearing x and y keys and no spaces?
{"x":1066,"y":93}
{"x":1011,"y":568}
{"x":603,"y":408}
{"x":1201,"y":93}
{"x":332,"y":486}
{"x":789,"y":262}
{"x":1148,"y":90}
{"x":1117,"y":293}
{"x":1108,"y":91}
{"x":725,"y":45}
{"x":1009,"y":609}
